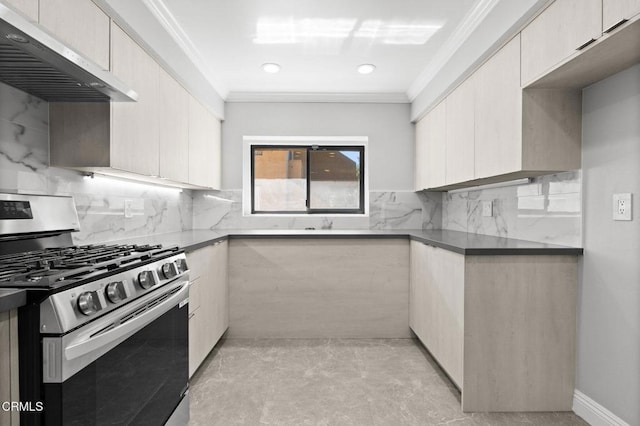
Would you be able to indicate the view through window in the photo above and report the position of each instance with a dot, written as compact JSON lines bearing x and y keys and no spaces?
{"x":307,"y":179}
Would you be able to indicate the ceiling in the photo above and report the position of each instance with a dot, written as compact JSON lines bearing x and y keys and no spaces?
{"x":219,"y":46}
{"x":318,"y":44}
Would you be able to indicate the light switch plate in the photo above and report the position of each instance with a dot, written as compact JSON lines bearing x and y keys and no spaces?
{"x":622,"y":207}
{"x":128,"y":209}
{"x":487,"y":208}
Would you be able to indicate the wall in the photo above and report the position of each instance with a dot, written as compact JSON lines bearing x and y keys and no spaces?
{"x":609,"y":307}
{"x":388,"y":127}
{"x":547,"y":210}
{"x":24,"y":157}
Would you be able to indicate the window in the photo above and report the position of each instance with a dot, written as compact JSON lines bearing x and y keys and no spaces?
{"x":307,"y":179}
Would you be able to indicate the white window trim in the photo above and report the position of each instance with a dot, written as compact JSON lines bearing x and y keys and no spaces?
{"x":248,"y":141}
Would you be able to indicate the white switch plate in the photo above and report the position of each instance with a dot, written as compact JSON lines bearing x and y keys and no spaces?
{"x":622,"y":208}
{"x":128,"y":209}
{"x":487,"y":208}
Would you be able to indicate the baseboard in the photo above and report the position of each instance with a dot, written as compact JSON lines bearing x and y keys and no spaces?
{"x":594,"y":413}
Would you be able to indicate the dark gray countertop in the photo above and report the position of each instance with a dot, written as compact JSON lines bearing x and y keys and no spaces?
{"x":459,"y":242}
{"x":11,"y":298}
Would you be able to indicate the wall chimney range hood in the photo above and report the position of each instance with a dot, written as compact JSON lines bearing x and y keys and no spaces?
{"x":35,"y":62}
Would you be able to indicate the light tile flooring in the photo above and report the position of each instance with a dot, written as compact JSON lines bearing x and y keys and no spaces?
{"x":334,"y":382}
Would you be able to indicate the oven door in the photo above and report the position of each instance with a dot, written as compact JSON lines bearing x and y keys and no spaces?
{"x":129,"y":368}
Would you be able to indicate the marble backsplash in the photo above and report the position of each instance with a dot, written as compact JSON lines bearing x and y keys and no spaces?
{"x":387,"y":210}
{"x":548,"y":210}
{"x":24,"y":159}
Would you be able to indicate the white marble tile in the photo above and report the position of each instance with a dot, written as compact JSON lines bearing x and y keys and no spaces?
{"x":387,"y":210}
{"x":546,"y":210}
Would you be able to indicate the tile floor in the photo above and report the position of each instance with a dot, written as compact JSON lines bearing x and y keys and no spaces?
{"x":334,"y":382}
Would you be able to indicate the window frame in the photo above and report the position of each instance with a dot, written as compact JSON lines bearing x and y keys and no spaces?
{"x":353,"y":143}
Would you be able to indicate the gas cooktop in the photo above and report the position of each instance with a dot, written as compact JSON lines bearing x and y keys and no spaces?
{"x":54,"y":268}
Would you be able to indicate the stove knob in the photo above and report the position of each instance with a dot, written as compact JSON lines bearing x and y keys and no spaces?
{"x":169,"y":270}
{"x":182,"y":265}
{"x":146,"y":280}
{"x":88,"y":303}
{"x":115,"y":292}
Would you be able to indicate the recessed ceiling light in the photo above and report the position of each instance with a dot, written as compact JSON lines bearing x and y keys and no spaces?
{"x":366,"y":68}
{"x":271,"y":68}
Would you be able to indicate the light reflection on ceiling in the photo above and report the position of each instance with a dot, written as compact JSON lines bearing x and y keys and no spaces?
{"x":288,"y":30}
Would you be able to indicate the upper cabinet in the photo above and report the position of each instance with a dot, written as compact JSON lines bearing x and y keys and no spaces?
{"x":489,"y":129}
{"x":27,"y":8}
{"x":498,"y":113}
{"x":430,"y":157}
{"x":162,"y":138}
{"x":80,"y":24}
{"x":204,"y":146}
{"x":460,"y":129}
{"x":174,"y":129}
{"x":134,"y":125}
{"x":616,"y":12}
{"x":561,"y":30}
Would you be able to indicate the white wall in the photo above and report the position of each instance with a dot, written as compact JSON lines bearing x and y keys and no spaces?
{"x":609,"y":306}
{"x":388,"y":127}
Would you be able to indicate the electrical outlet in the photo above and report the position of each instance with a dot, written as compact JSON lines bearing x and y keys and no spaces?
{"x":487,"y":208}
{"x":622,"y":207}
{"x":128,"y":209}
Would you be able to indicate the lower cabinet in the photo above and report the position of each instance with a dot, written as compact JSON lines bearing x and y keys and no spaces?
{"x":9,"y":366}
{"x":208,"y":300}
{"x":503,"y":327}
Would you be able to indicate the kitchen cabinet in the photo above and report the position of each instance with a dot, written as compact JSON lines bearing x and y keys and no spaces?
{"x":430,"y":158}
{"x":9,"y":365}
{"x":27,"y":8}
{"x":498,"y":113}
{"x":166,"y":136}
{"x":436,"y":304}
{"x":522,"y":132}
{"x":174,"y":129}
{"x":460,"y":133}
{"x":319,"y":287}
{"x":560,"y":31}
{"x":114,"y":138}
{"x":503,"y":327}
{"x":204,"y":146}
{"x":615,"y":12}
{"x":80,"y":24}
{"x":208,"y":300}
{"x":135,"y":125}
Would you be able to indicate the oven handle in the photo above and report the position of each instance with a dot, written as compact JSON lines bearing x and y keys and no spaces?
{"x":83,"y":346}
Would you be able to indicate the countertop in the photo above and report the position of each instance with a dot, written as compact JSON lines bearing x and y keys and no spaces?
{"x":12,"y":298}
{"x":458,"y":242}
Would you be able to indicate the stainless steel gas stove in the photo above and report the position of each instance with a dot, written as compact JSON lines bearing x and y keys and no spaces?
{"x":104,"y":336}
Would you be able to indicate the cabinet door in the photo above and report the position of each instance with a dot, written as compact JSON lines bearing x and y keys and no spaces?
{"x":27,"y":8}
{"x":81,"y":24}
{"x":216,"y":295}
{"x":174,"y":129}
{"x":436,"y":304}
{"x":134,"y":125}
{"x":460,"y":152}
{"x":498,"y":113}
{"x":420,"y":156}
{"x":204,"y":146}
{"x":557,"y":33}
{"x":616,"y":11}
{"x":431,"y":149}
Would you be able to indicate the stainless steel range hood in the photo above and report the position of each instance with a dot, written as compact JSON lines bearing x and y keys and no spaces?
{"x":37,"y":63}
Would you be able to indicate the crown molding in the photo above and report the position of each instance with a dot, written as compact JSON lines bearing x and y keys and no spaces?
{"x":318,"y":97}
{"x":470,"y":22}
{"x":162,"y":13}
